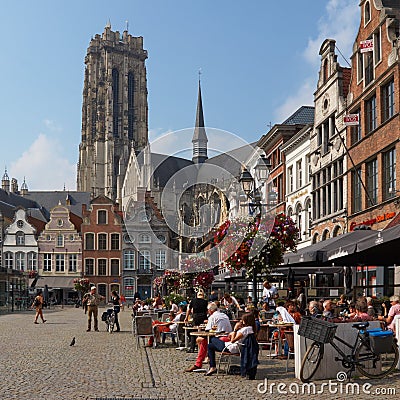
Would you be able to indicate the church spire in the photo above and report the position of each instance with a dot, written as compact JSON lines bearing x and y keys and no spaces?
{"x":199,"y":136}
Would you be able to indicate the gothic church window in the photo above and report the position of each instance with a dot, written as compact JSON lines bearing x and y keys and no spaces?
{"x":115,"y":86}
{"x":131,"y":114}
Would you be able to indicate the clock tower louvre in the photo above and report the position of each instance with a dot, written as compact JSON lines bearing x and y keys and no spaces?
{"x":114,"y":111}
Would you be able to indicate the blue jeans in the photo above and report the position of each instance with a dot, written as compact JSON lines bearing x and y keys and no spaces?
{"x":214,"y":345}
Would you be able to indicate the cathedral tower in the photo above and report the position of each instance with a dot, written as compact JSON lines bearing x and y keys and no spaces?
{"x":114,"y":111}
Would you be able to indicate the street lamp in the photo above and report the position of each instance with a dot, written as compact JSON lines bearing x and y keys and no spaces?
{"x":261,"y":172}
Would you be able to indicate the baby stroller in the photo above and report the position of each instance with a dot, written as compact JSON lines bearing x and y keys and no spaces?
{"x":109,"y":318}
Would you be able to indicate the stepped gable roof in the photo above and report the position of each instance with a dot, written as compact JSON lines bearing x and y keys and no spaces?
{"x":49,"y":199}
{"x":304,"y":115}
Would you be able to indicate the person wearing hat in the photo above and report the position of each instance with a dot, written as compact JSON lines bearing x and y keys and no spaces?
{"x":198,"y":309}
{"x":92,"y":300}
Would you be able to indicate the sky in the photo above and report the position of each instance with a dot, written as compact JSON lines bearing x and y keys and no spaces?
{"x":259,"y":62}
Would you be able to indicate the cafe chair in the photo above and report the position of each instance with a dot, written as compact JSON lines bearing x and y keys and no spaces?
{"x":289,"y":337}
{"x":264,"y":338}
{"x":225,"y":359}
{"x":144,"y":329}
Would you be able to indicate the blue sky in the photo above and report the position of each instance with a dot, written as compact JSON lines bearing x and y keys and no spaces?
{"x":259,"y":62}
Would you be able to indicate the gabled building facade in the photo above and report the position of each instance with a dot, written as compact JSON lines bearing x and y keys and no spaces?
{"x":60,"y":255}
{"x":327,"y":147}
{"x":102,"y":243}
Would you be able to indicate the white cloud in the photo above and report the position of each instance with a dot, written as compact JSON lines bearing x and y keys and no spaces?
{"x":44,"y":166}
{"x":340,"y":23}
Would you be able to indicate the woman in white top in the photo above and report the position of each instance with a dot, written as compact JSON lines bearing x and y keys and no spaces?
{"x":245,"y":327}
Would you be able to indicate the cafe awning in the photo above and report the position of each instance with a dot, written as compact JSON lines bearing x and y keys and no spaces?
{"x":327,"y":252}
{"x":55,"y":282}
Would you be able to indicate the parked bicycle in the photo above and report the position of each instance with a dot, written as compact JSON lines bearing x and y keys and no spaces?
{"x":374,"y":353}
{"x":109,"y":318}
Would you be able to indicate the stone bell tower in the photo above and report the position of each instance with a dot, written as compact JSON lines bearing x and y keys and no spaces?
{"x":114,"y":111}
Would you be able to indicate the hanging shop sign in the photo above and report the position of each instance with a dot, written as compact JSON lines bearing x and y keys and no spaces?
{"x":351,"y":119}
{"x":366,"y":45}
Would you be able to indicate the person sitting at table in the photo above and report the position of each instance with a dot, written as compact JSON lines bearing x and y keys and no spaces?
{"x":293,"y":310}
{"x":245,"y":327}
{"x":361,"y":312}
{"x":313,"y":309}
{"x":158,"y":302}
{"x":371,"y":310}
{"x":393,"y":312}
{"x":217,"y":320}
{"x":264,"y":312}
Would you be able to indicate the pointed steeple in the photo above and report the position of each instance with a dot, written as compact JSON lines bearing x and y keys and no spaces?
{"x":199,"y":136}
{"x":5,"y":182}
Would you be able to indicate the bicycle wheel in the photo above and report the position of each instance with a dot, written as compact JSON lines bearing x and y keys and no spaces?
{"x":111,"y":322}
{"x":311,"y":361}
{"x":374,"y":365}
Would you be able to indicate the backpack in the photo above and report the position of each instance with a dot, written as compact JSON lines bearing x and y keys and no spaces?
{"x":36,"y":302}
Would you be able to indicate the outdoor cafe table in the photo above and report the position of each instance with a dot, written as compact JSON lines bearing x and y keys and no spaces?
{"x":280,"y":326}
{"x":188,"y":329}
{"x":207,"y":334}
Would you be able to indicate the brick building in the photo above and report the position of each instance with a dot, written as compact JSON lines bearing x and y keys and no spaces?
{"x":374,"y":143}
{"x":102,"y":235}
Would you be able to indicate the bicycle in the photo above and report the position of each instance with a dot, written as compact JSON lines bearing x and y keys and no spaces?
{"x":374,"y":353}
{"x":109,"y":318}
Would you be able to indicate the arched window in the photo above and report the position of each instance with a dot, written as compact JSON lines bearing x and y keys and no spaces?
{"x":89,"y":241}
{"x":315,"y":238}
{"x":299,"y":221}
{"x":20,"y":238}
{"x":289,"y":212}
{"x":325,"y":70}
{"x":325,"y":234}
{"x":308,"y":214}
{"x":115,"y":87}
{"x":131,"y":113}
{"x":367,"y":13}
{"x":337,"y":230}
{"x":20,"y":261}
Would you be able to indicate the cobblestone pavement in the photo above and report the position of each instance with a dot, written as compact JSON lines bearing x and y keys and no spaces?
{"x":37,"y":362}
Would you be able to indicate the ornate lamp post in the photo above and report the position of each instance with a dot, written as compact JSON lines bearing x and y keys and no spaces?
{"x":249,"y":185}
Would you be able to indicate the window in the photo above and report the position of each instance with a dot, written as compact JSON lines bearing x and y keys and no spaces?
{"x":129,"y":287}
{"x":367,"y":13}
{"x":32,"y":257}
{"x":20,"y":261}
{"x":144,"y":260}
{"x":389,"y":174}
{"x":307,"y":169}
{"x":144,"y":238}
{"x":355,"y":130}
{"x":370,"y":114}
{"x":72,"y":262}
{"x":102,"y":267}
{"x":115,"y":103}
{"x":60,"y":240}
{"x":299,"y":221}
{"x":160,"y":259}
{"x":101,"y":217}
{"x":131,"y":103}
{"x":102,"y":289}
{"x":290,"y":179}
{"x":60,"y":263}
{"x":299,"y":175}
{"x":8,"y":259}
{"x":360,"y":66}
{"x":369,"y":67}
{"x":115,"y":267}
{"x":89,"y":241}
{"x":102,"y":238}
{"x":377,"y":46}
{"x":388,"y":101}
{"x":129,"y":259}
{"x":89,"y":266}
{"x":114,"y":241}
{"x":356,"y":183}
{"x":20,"y":238}
{"x":47,"y":262}
{"x":372,"y":182}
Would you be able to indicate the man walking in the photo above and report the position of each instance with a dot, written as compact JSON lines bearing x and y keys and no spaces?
{"x":92,"y":300}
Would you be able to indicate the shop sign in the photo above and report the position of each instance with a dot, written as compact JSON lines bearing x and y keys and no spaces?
{"x":351,"y":119}
{"x":372,"y":221}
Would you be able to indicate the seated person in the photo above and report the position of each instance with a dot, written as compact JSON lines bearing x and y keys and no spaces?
{"x":264,"y":312}
{"x":217,"y":320}
{"x":243,"y":328}
{"x":371,"y":310}
{"x":293,"y":310}
{"x":361,"y":314}
{"x":313,"y":309}
{"x":170,"y":325}
{"x":393,"y":311}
